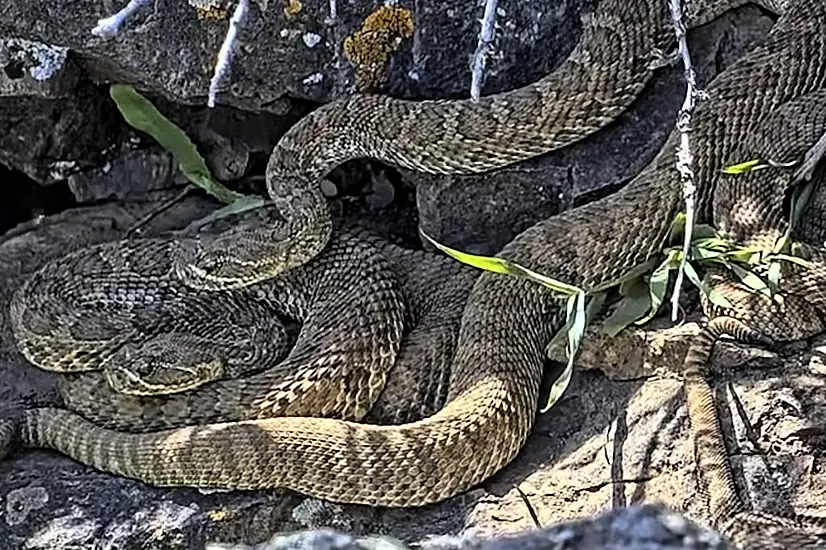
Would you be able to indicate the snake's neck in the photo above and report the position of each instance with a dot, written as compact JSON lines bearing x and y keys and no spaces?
{"x":608,"y":66}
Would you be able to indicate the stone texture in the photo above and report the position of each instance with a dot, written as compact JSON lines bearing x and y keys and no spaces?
{"x":658,"y":349}
{"x":129,"y":174}
{"x":634,"y":528}
{"x":54,"y":123}
{"x":295,"y":53}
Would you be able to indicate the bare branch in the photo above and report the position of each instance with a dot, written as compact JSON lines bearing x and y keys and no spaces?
{"x":333,"y":15}
{"x":225,"y":53}
{"x":110,"y":26}
{"x":482,"y":49}
{"x":684,"y":157}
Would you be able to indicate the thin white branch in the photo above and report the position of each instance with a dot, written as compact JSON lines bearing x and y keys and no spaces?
{"x":333,"y":12}
{"x":225,"y":53}
{"x":684,"y":157}
{"x":482,"y":49}
{"x":110,"y":26}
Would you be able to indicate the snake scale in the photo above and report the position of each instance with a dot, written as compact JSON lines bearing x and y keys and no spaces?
{"x":494,"y":376}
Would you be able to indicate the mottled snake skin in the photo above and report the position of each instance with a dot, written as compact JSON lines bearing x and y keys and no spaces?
{"x":507,"y":323}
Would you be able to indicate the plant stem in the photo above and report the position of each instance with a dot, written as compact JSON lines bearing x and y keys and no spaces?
{"x":225,"y":53}
{"x":108,"y":27}
{"x":684,"y":157}
{"x":479,"y":57}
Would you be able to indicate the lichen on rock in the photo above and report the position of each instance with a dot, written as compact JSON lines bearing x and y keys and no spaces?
{"x":370,"y":48}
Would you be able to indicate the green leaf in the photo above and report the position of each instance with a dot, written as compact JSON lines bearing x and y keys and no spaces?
{"x":746,"y":255}
{"x":594,"y":305}
{"x":677,"y":228}
{"x":801,"y":196}
{"x":702,"y":254}
{"x":713,"y":295}
{"x":499,"y":265}
{"x":774,"y":277}
{"x":744,"y":167}
{"x":635,"y":303}
{"x":751,"y":280}
{"x":142,"y":115}
{"x":559,"y":386}
{"x":792,"y":259}
{"x":575,"y":325}
{"x":236,"y":207}
{"x":576,"y":322}
{"x":712,"y":243}
{"x":658,"y":283}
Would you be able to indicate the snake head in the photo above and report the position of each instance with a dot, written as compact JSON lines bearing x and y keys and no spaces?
{"x":168,"y":363}
{"x":236,"y":258}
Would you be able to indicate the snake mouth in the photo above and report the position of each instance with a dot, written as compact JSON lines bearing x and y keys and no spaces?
{"x":199,"y":278}
{"x":163,"y":380}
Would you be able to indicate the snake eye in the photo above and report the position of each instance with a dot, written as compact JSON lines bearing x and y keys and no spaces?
{"x":210,"y":261}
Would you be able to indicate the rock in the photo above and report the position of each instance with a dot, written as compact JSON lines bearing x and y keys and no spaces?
{"x":54,"y":122}
{"x":129,"y":174}
{"x":657,"y":349}
{"x":633,"y":528}
{"x":299,"y":46}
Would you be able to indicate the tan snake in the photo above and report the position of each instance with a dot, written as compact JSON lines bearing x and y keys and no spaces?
{"x":506,"y":323}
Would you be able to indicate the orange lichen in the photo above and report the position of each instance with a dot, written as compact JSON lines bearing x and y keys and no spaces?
{"x":210,"y":9}
{"x":219,"y":9}
{"x":370,"y":48}
{"x":217,"y":515}
{"x":292,"y":7}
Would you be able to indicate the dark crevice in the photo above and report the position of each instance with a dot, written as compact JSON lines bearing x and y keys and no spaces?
{"x":24,"y":199}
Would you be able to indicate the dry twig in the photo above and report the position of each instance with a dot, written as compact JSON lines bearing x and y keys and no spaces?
{"x":684,"y":157}
{"x":486,"y":35}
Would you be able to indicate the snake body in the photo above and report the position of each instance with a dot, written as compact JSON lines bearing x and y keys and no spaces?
{"x":621,"y":46}
{"x":337,"y":366}
{"x":745,"y":528}
{"x":752,"y":210}
{"x":415,"y":388}
{"x":507,"y":323}
{"x":142,"y":319}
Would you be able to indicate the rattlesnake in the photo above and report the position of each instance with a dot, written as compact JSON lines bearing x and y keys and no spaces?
{"x":622,"y":44}
{"x":142,"y":320}
{"x":506,"y":324}
{"x":420,"y":372}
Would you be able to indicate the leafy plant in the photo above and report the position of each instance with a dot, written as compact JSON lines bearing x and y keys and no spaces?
{"x":576,"y":305}
{"x":142,"y":115}
{"x":640,"y":298}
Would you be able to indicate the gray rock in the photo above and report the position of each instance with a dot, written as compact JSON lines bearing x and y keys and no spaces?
{"x":634,"y":528}
{"x":54,"y":123}
{"x":126,"y":175}
{"x":293,"y":53}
